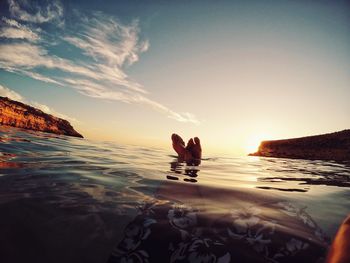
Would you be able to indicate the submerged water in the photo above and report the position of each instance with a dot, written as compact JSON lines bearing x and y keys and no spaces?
{"x":66,"y":199}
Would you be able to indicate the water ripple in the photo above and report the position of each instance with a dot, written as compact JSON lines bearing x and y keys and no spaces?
{"x":58,"y":181}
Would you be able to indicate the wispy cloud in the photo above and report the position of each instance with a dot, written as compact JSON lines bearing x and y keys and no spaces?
{"x":38,"y":76}
{"x":106,"y":48}
{"x":20,"y":57}
{"x":107,"y":40}
{"x":6,"y":92}
{"x":51,"y":11}
{"x":111,"y":45}
{"x":12,"y":29}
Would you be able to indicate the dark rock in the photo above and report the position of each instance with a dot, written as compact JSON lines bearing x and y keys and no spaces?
{"x":330,"y":146}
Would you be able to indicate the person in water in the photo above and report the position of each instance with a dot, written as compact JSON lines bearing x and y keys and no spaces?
{"x":172,"y":229}
{"x":340,"y":249}
{"x":190,"y":153}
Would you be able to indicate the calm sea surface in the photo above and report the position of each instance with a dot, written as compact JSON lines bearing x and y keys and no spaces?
{"x":66,"y":199}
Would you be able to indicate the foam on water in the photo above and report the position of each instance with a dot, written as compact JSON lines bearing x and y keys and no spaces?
{"x":65,"y":199}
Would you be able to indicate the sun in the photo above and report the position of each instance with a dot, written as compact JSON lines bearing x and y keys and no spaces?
{"x":252,"y":143}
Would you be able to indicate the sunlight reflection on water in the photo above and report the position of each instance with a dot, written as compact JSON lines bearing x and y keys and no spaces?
{"x":95,"y":191}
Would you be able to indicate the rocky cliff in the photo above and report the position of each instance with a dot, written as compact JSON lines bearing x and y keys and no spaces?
{"x":331,"y":146}
{"x":17,"y":114}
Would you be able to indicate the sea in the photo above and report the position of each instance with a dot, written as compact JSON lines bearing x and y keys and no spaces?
{"x":65,"y":199}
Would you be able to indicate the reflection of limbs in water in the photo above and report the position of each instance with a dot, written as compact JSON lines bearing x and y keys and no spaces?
{"x":340,"y":250}
{"x":191,"y":154}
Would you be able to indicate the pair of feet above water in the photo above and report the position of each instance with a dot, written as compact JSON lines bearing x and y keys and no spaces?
{"x":190,"y":153}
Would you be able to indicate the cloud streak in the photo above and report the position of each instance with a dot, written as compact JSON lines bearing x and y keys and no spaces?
{"x":105,"y":45}
{"x":6,"y":92}
{"x":12,"y":29}
{"x":107,"y":40}
{"x":53,"y":11}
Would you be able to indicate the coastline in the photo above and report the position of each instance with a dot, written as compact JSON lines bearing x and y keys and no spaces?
{"x":20,"y":115}
{"x":331,"y":146}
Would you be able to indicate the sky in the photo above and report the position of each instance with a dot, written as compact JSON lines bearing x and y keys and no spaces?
{"x":230,"y":72}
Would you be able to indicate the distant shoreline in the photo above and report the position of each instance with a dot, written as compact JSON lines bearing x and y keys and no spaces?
{"x":19,"y":115}
{"x":331,"y":146}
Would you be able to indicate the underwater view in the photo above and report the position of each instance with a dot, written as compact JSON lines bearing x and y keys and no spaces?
{"x":65,"y":199}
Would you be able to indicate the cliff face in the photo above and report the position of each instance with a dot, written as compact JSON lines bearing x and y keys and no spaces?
{"x":331,"y":146}
{"x":17,"y":114}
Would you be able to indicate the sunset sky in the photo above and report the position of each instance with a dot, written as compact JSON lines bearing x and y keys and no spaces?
{"x":231,"y":72}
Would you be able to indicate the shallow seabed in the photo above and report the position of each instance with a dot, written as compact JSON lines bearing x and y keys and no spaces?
{"x":66,"y":199}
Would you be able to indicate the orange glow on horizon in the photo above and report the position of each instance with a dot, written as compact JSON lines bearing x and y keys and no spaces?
{"x":253,"y":142}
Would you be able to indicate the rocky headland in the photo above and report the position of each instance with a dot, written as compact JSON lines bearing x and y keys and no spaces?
{"x":330,"y":146}
{"x":20,"y":115}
